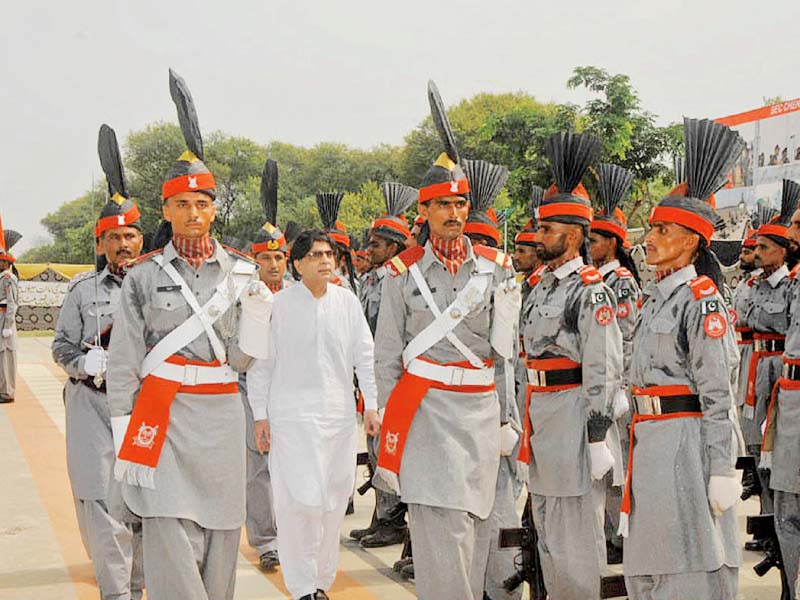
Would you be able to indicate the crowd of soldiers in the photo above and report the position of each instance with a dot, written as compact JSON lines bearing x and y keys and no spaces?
{"x":622,"y":409}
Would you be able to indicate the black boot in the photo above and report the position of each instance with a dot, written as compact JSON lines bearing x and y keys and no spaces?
{"x":387,"y":533}
{"x":357,"y":534}
{"x":268,"y":561}
{"x":350,"y":508}
{"x":614,"y":554}
{"x":403,"y":562}
{"x":408,"y":570}
{"x":321,"y":595}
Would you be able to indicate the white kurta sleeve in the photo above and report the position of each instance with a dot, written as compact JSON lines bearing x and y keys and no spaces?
{"x":259,"y":376}
{"x":364,"y":356}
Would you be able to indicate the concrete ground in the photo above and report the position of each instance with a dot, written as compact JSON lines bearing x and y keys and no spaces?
{"x":41,"y":555}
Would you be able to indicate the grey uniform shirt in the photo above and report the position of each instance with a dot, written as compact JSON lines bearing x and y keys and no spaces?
{"x":628,"y":295}
{"x":201,"y":471}
{"x":9,"y":297}
{"x":370,"y":295}
{"x":452,"y":453}
{"x":742,"y":300}
{"x":572,"y":319}
{"x":674,"y":458}
{"x":90,"y":447}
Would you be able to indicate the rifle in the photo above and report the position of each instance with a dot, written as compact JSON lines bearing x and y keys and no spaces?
{"x":763,"y":527}
{"x":362,"y":458}
{"x":751,"y":484}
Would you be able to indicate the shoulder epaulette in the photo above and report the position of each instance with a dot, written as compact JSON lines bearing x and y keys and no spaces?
{"x":143,"y":258}
{"x":536,"y":276}
{"x":589,"y":274}
{"x":400,"y":263}
{"x":493,"y":254}
{"x":7,"y":274}
{"x":795,"y":270}
{"x":623,"y":273}
{"x":702,"y":287}
{"x":82,"y":276}
{"x":238,"y":253}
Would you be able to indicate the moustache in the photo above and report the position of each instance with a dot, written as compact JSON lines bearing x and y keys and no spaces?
{"x":452,"y":222}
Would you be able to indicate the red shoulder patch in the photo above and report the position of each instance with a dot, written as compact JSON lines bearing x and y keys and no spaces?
{"x":143,"y":257}
{"x":623,"y":273}
{"x":795,"y":270}
{"x":536,"y":276}
{"x":590,"y":275}
{"x":493,"y":254}
{"x":400,"y":263}
{"x":702,"y":287}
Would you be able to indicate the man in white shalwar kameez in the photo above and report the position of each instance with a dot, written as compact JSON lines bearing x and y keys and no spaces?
{"x":302,"y":400}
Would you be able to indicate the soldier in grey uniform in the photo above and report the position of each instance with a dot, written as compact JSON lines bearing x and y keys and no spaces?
{"x":79,"y":347}
{"x":678,"y":512}
{"x":9,"y":302}
{"x":781,"y":451}
{"x":768,"y":318}
{"x":608,"y":237}
{"x":445,"y":326}
{"x":387,"y":238}
{"x":269,"y":249}
{"x":190,"y":316}
{"x":574,"y":365}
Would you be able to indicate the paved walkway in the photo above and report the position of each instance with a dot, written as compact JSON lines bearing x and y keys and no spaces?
{"x":41,"y":555}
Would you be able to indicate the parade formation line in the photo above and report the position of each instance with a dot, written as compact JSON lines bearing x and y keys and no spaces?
{"x":41,"y":553}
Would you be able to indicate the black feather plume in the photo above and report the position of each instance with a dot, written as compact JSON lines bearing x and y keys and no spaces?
{"x":269,"y":191}
{"x":789,"y":200}
{"x":398,"y":197}
{"x":762,"y":215}
{"x":485,"y":182}
{"x":11,"y":238}
{"x":570,"y":155}
{"x":679,"y":166}
{"x":328,"y":204}
{"x":111,"y":161}
{"x":441,"y":122}
{"x":187,"y":114}
{"x":291,"y":231}
{"x":711,"y":151}
{"x":613,"y":183}
{"x":537,"y":193}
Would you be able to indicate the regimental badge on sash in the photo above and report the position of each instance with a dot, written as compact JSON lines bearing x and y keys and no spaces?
{"x":391,"y":442}
{"x":146,"y":436}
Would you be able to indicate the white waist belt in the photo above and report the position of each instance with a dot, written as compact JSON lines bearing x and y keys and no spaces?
{"x":195,"y":374}
{"x":449,"y":375}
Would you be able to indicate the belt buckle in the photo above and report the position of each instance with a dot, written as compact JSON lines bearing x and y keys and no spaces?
{"x":190,"y":373}
{"x":456,"y":376}
{"x":648,"y":405}
{"x":739,"y":336}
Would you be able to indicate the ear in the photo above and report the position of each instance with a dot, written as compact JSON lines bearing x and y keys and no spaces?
{"x":423,"y":209}
{"x":165,"y":211}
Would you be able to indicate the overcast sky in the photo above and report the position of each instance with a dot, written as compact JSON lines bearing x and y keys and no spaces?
{"x":348,"y":71}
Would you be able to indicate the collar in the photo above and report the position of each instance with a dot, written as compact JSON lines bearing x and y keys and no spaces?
{"x":567,"y":268}
{"x":774,"y":279}
{"x":608,"y":267}
{"x":671,"y":282}
{"x":170,"y":253}
{"x":430,"y":257}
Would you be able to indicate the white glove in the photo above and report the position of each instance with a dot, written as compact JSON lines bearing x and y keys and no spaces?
{"x":254,"y":324}
{"x":119,"y":425}
{"x":766,"y":460}
{"x":8,"y":333}
{"x":505,"y":317}
{"x":601,"y":459}
{"x":620,"y":405}
{"x":95,"y":362}
{"x":508,"y":439}
{"x":723,"y":492}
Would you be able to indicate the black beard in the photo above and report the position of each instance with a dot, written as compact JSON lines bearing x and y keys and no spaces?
{"x":747,"y":267}
{"x":558,"y":249}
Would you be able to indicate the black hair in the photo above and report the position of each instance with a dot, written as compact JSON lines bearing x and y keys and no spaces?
{"x":302,"y":246}
{"x":586,"y":249}
{"x":622,"y":254}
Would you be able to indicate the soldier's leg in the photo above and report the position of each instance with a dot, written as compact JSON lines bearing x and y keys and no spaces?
{"x":260,"y":523}
{"x":137,"y":570}
{"x":8,"y":373}
{"x":719,"y":585}
{"x":111,"y":546}
{"x":570,"y":534}
{"x":500,"y":564}
{"x":787,"y":526}
{"x":218,"y":569}
{"x":443,"y":550}
{"x":173,"y":553}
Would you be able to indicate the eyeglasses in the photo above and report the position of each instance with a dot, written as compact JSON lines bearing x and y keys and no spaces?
{"x":318,"y":254}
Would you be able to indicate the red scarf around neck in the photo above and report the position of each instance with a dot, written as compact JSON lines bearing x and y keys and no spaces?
{"x":452,"y":253}
{"x":194,"y":251}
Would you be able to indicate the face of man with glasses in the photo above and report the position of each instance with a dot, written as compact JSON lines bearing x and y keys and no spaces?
{"x":317,"y":265}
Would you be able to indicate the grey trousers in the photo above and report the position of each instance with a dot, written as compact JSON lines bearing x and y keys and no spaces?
{"x":8,"y":373}
{"x":787,"y":526}
{"x":385,"y":502}
{"x":260,"y":523}
{"x":183,"y":561}
{"x":115,"y":549}
{"x":613,"y":506}
{"x":715,"y":585}
{"x":444,"y":552}
{"x":572,"y":543}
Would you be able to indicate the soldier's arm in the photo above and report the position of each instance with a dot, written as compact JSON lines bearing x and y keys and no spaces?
{"x":627,"y":313}
{"x":601,"y":349}
{"x":363,"y":355}
{"x":127,"y":348}
{"x":12,"y":302}
{"x":708,"y":361}
{"x":390,"y":337}
{"x":68,"y":351}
